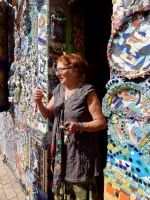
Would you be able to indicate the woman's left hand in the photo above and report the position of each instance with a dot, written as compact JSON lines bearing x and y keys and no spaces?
{"x":73,"y":127}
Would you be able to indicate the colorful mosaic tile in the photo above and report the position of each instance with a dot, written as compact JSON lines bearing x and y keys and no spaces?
{"x":126,"y":104}
{"x":128,"y":41}
{"x":26,"y":73}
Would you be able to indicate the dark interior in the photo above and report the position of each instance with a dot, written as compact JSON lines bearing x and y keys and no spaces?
{"x":97,"y":33}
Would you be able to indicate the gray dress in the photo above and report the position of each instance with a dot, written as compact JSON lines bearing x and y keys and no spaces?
{"x":81,"y":156}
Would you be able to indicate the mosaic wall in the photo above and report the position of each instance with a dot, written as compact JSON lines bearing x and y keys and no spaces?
{"x":24,"y":133}
{"x":127,"y":102}
{"x":28,"y":70}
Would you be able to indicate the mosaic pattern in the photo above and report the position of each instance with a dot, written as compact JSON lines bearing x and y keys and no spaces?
{"x":37,"y":165}
{"x":14,"y":142}
{"x":23,"y":74}
{"x":128,"y":47}
{"x":24,"y":150}
{"x":123,"y":9}
{"x":129,"y":166}
{"x":127,"y":104}
{"x":124,"y":96}
{"x":43,"y":57}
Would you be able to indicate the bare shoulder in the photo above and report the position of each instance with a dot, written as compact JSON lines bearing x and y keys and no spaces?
{"x":93,"y":98}
{"x":94,"y":105}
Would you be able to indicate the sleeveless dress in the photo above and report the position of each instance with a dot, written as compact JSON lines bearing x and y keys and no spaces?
{"x":80,"y":159}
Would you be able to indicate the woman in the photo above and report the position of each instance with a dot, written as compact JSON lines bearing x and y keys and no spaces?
{"x":78,"y":117}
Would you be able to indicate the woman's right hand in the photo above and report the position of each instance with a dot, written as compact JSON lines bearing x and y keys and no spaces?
{"x":38,"y":94}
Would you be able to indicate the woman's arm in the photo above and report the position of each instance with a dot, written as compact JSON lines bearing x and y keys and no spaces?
{"x":46,"y":111}
{"x":99,"y":121}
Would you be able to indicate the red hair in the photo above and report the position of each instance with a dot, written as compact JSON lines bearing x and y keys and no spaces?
{"x":74,"y":60}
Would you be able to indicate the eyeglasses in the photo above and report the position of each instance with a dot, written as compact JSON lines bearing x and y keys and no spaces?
{"x":60,"y":70}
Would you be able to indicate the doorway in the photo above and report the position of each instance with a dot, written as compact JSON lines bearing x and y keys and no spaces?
{"x":97,"y":33}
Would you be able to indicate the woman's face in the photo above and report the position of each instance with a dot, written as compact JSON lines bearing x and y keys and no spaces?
{"x":65,"y":74}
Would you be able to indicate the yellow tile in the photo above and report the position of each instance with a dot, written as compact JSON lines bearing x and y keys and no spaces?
{"x":111,"y":146}
{"x":116,"y":174}
{"x":123,"y":171}
{"x":128,"y":189}
{"x":109,"y":178}
{"x":117,"y":187}
{"x":124,"y":176}
{"x":127,"y":151}
{"x":123,"y":151}
{"x":116,"y":149}
{"x":124,"y":186}
{"x":113,"y":186}
{"x":144,"y":141}
{"x":112,"y":150}
{"x":128,"y":184}
{"x":125,"y":181}
{"x":119,"y":177}
{"x":139,"y":192}
{"x":132,"y":197}
{"x":113,"y":180}
{"x":113,"y":1}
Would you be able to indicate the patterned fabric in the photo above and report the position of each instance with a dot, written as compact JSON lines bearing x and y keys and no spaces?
{"x":56,"y":152}
{"x":86,"y":190}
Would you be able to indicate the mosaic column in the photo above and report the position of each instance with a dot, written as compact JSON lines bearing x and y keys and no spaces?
{"x":127,"y":103}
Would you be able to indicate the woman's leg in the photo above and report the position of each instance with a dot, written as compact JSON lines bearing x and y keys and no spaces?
{"x":86,"y":190}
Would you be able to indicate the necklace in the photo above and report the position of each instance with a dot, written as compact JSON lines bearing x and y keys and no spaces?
{"x":68,"y":94}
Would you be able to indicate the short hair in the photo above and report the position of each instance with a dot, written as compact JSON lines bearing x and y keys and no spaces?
{"x":75,"y":61}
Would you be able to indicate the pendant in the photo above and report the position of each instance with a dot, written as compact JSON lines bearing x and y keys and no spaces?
{"x":66,"y":139}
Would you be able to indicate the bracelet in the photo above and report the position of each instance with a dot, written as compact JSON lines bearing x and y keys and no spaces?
{"x":81,"y":127}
